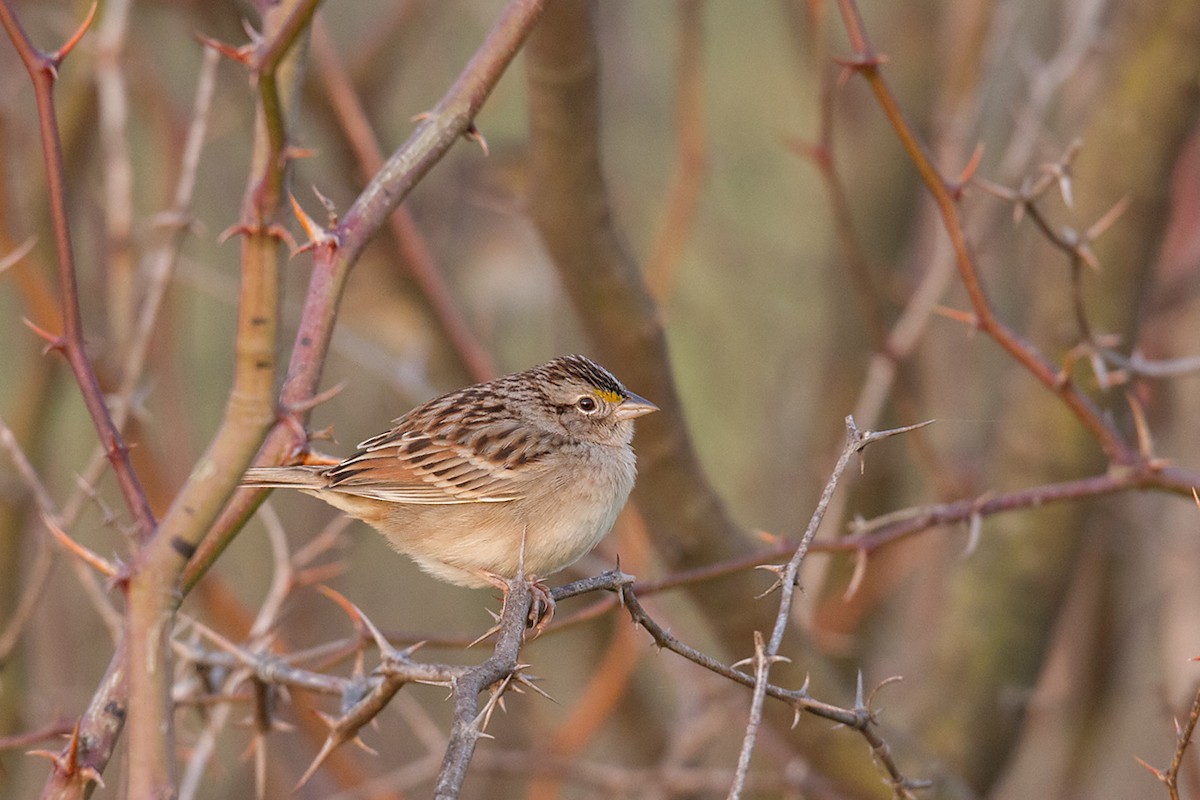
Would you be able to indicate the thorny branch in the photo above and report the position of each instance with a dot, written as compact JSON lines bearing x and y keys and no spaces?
{"x":43,"y":72}
{"x":859,"y":717}
{"x":1077,"y":246}
{"x":867,"y":63}
{"x":765,"y":656}
{"x":1183,"y":737}
{"x":362,"y":697}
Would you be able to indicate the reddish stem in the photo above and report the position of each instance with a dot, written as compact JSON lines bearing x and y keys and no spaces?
{"x":43,"y":71}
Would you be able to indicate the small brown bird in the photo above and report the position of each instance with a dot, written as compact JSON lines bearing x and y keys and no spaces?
{"x":539,"y":460}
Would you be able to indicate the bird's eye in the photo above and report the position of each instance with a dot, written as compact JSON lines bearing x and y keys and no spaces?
{"x":586,"y":404}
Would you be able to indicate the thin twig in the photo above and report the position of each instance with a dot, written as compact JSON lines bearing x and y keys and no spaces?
{"x":113,"y":105}
{"x":1183,"y":737}
{"x":691,"y":168}
{"x":764,"y":657}
{"x":153,"y":593}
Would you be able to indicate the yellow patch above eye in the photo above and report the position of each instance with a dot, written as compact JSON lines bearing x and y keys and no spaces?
{"x":608,"y":395}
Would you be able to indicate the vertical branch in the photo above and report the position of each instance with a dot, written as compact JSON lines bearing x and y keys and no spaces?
{"x":154,"y":587}
{"x":570,"y":207}
{"x":113,"y":102}
{"x":43,"y":71}
{"x":467,"y":728}
{"x":764,"y":657}
{"x":102,"y":722}
{"x":662,"y":265}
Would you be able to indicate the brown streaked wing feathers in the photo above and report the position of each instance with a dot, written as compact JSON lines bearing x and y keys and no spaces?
{"x":419,"y":468}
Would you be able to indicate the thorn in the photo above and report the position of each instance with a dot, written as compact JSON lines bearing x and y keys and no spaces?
{"x":282,"y":234}
{"x":1085,"y":254}
{"x":104,"y":567}
{"x":92,"y":774}
{"x":317,"y":236}
{"x":54,"y":342}
{"x":528,"y":681}
{"x":1106,"y":221}
{"x":14,"y":258}
{"x":858,"y":692}
{"x":844,"y":76}
{"x":238,"y":54}
{"x":326,"y":749}
{"x":861,"y":556}
{"x":494,"y":629}
{"x":1064,"y":188}
{"x":965,"y":317}
{"x":237,"y":229}
{"x":322,"y":435}
{"x":870,"y":437}
{"x":61,"y":53}
{"x":330,"y":208}
{"x":766,"y":537}
{"x":473,"y":134}
{"x":294,"y":152}
{"x":1104,"y":379}
{"x":1145,"y":441}
{"x":349,"y":608}
{"x":50,"y":755}
{"x":360,"y":744}
{"x":974,"y":532}
{"x":964,"y":178}
{"x":386,"y":650}
{"x":1072,"y":150}
{"x":1003,"y":192}
{"x":778,"y":569}
{"x":745,"y":661}
{"x":316,"y":400}
{"x":1152,"y":770}
{"x":252,"y":34}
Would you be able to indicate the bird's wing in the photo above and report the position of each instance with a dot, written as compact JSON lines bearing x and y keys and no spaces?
{"x":422,"y":468}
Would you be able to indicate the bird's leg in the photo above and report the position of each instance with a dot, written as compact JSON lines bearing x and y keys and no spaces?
{"x":541,"y":610}
{"x":541,"y":607}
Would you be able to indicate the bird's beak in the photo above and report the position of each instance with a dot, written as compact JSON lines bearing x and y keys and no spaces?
{"x":634,"y":406}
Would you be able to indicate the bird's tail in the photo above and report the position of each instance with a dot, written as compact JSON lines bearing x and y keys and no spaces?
{"x":297,"y":477}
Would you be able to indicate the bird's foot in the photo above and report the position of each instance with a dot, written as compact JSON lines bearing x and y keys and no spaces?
{"x":541,"y":609}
